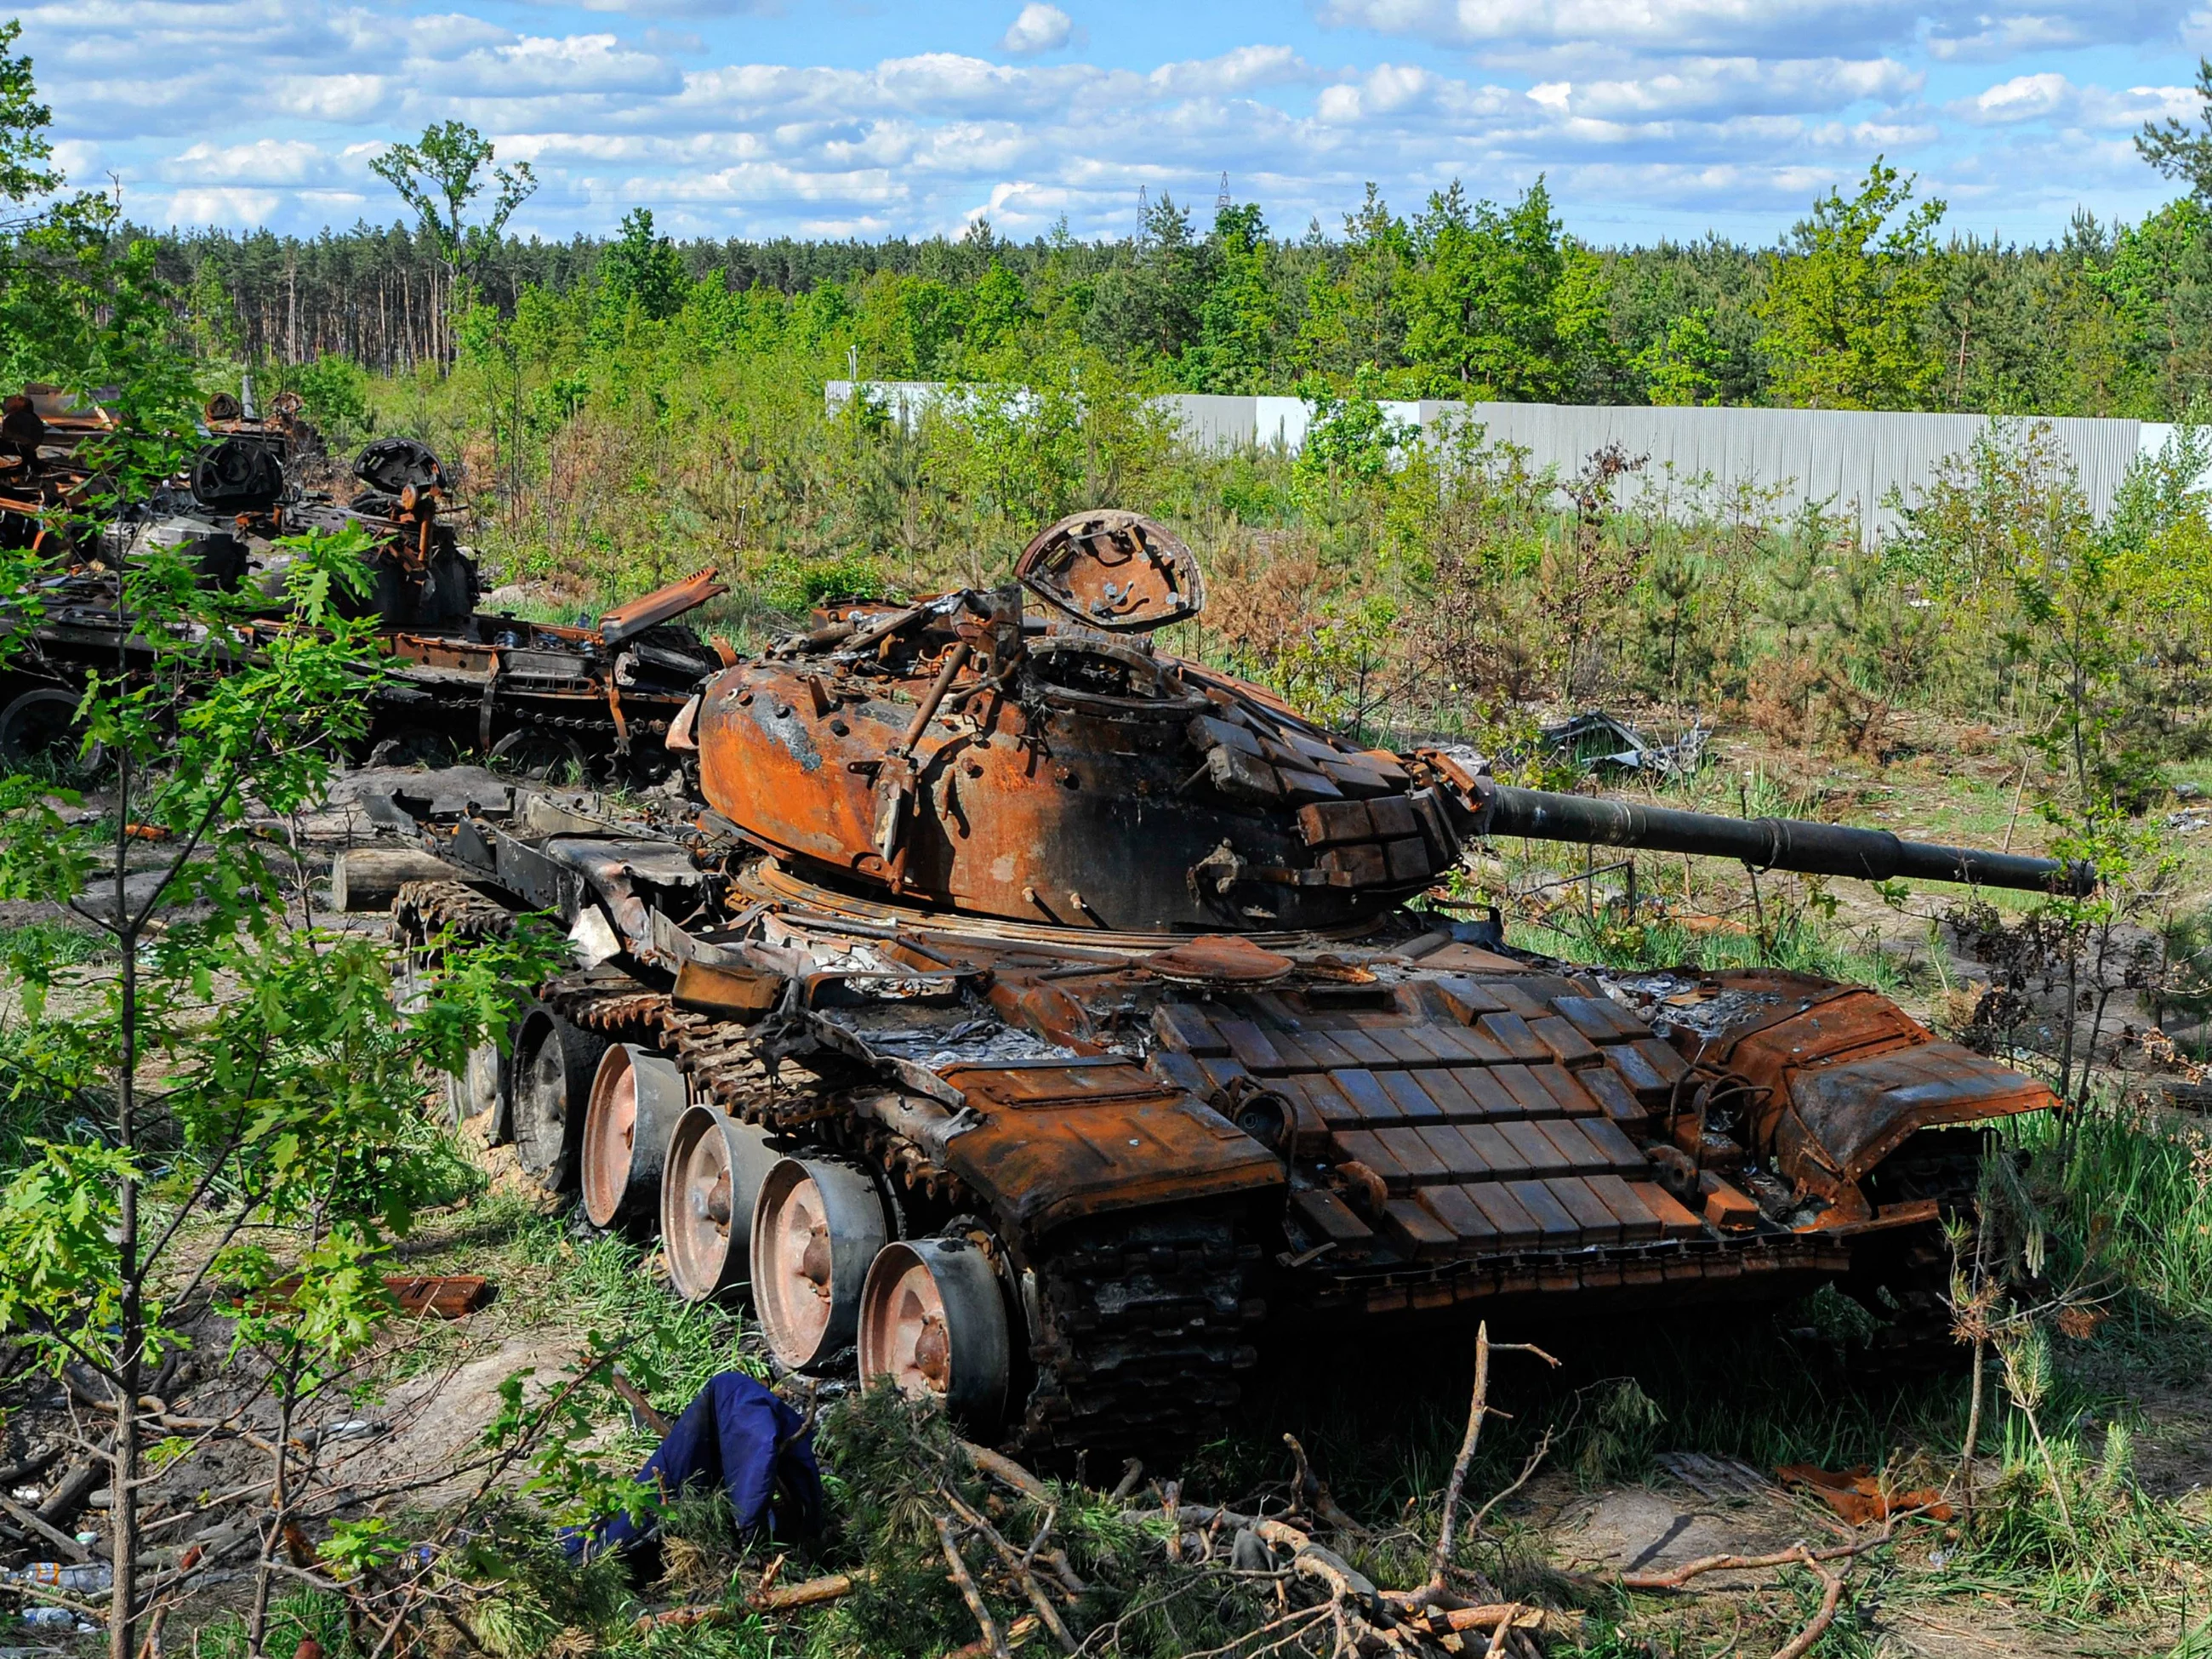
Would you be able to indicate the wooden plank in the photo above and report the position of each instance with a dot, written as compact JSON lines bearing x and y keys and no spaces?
{"x":1568,"y":1046}
{"x":1494,"y":1149}
{"x":1402,"y":1046}
{"x":1516,"y":1001}
{"x":1327,"y":1103}
{"x":1467,"y":997}
{"x":1360,"y":1048}
{"x":1638,"y":1224}
{"x":1603,"y":1085}
{"x":1662,"y":1058}
{"x":1598,"y":1223}
{"x":1535,"y":1147}
{"x":1510,"y":1032}
{"x":1453,"y":1207}
{"x":1674,"y":1221}
{"x":1451,"y":1149}
{"x":1575,"y":1147}
{"x":1293,"y":1051}
{"x":1442,"y":1038}
{"x":1323,"y":1049}
{"x":1636,"y":1070}
{"x":1621,"y":1154}
{"x":1323,"y":1214}
{"x":1554,"y":1225}
{"x":1515,"y":1226}
{"x":1454,"y":1102}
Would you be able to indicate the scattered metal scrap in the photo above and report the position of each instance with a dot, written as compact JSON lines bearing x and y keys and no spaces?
{"x":1599,"y":741}
{"x":536,"y":699}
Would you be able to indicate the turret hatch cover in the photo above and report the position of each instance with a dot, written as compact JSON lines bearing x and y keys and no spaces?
{"x":1114,"y":570}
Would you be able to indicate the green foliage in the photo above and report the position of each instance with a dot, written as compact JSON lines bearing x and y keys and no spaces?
{"x":441,"y":174}
{"x":1846,"y":296}
{"x":1503,"y":305}
{"x":641,"y":271}
{"x":334,"y":389}
{"x":24,"y":146}
{"x":2178,"y":151}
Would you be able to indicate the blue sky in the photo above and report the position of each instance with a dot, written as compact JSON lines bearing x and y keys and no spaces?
{"x":753,"y":118}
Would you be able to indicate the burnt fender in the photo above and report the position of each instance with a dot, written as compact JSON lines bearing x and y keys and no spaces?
{"x":1845,"y":1075}
{"x":1062,"y":1142}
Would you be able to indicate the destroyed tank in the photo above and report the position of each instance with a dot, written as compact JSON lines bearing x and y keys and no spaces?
{"x":536,"y":699}
{"x":1036,"y":1019}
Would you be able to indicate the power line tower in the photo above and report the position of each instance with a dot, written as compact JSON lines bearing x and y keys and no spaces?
{"x":1221,"y":202}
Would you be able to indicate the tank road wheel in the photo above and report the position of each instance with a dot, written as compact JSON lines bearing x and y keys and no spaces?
{"x":478,"y":1090}
{"x":816,"y":1229}
{"x":38,"y":728}
{"x":542,"y":756}
{"x":707,"y":1189}
{"x":554,"y":1063}
{"x":636,"y":1099}
{"x":933,"y":1320}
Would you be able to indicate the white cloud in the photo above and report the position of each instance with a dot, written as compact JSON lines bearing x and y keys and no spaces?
{"x":1953,"y":28}
{"x":235,"y":208}
{"x":1637,"y":110}
{"x":2049,"y":96}
{"x":1038,"y":27}
{"x":328,"y":97}
{"x":263,"y":162}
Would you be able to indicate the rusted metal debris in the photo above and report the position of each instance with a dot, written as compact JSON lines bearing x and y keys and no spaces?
{"x":1045,"y":1015}
{"x":539,"y":700}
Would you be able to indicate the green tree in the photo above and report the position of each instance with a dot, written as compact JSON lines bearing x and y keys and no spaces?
{"x":1846,"y":297}
{"x":1356,"y":317}
{"x":24,"y":147}
{"x":438,"y":176}
{"x":1685,"y":364}
{"x":2180,"y":152}
{"x":1502,"y":304}
{"x":643,"y":271}
{"x":1241,"y":315}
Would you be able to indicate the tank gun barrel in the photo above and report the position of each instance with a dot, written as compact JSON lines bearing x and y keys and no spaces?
{"x":1795,"y":844}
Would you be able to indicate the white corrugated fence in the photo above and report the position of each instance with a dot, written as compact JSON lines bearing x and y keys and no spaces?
{"x":1851,"y":463}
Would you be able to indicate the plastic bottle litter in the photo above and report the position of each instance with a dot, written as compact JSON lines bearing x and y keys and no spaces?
{"x":56,"y":1575}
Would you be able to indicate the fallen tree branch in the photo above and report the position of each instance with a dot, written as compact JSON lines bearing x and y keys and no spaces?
{"x":1831,"y":1598}
{"x":970,"y":1591}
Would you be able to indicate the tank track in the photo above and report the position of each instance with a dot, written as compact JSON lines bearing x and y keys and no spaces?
{"x":1911,"y":1267}
{"x":1140,"y":1325}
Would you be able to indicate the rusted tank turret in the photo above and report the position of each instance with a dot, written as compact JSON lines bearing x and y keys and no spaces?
{"x":1040,"y":1018}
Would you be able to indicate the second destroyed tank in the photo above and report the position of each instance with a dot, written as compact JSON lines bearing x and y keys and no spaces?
{"x":1036,"y":1019}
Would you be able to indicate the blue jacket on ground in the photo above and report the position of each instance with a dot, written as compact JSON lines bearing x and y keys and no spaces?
{"x":735,"y":1435}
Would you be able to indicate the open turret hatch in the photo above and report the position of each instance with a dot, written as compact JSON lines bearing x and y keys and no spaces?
{"x":1114,"y":570}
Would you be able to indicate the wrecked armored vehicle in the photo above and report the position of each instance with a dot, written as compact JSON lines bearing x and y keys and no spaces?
{"x":1042,"y":1017}
{"x":537,"y":699}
